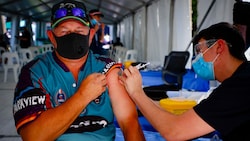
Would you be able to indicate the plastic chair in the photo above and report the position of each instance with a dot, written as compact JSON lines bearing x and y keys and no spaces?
{"x":35,"y":51}
{"x":2,"y":50}
{"x":49,"y":47}
{"x":120,"y":53}
{"x":131,"y":55}
{"x":10,"y":60}
{"x":46,"y":48}
{"x":25,"y":55}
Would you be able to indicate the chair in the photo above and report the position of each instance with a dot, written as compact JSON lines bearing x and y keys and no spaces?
{"x":175,"y":66}
{"x":131,"y":55}
{"x":120,"y":53}
{"x":10,"y":60}
{"x":47,"y":48}
{"x":2,"y":50}
{"x":35,"y":50}
{"x":25,"y":55}
{"x":172,"y":75}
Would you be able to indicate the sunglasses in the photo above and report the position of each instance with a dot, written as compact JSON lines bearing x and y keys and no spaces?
{"x":77,"y":12}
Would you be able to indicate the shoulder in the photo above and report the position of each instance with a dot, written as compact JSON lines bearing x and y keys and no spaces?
{"x":95,"y":58}
{"x":242,"y":71}
{"x":40,"y":64}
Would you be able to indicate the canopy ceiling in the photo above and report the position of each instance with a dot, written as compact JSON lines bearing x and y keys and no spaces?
{"x":114,"y":10}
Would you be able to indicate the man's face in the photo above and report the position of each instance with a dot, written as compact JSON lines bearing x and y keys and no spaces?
{"x":97,"y":17}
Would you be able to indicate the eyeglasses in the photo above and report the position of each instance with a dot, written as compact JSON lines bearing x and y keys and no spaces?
{"x":200,"y":46}
{"x":77,"y":12}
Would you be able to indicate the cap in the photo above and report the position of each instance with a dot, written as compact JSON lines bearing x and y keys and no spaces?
{"x":69,"y":9}
{"x":95,"y":12}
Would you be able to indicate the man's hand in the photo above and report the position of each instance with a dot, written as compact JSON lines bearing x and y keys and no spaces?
{"x":96,"y":27}
{"x":93,"y":86}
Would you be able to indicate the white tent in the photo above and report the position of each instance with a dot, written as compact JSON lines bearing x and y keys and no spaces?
{"x":166,"y":25}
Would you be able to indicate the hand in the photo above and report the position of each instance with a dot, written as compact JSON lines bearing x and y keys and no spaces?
{"x":93,"y":86}
{"x":96,"y":27}
{"x":131,"y":79}
{"x":102,"y":26}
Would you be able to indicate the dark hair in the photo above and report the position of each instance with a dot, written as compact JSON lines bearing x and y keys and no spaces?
{"x":93,"y":12}
{"x":227,"y":32}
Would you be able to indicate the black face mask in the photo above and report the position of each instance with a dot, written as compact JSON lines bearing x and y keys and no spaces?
{"x":72,"y":46}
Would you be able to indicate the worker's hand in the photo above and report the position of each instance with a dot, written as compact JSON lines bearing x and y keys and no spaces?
{"x":132,"y":80}
{"x":102,"y":26}
{"x":93,"y":86}
{"x":96,"y":27}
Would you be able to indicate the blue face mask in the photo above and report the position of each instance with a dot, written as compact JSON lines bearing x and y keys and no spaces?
{"x":204,"y":69}
{"x":94,"y":22}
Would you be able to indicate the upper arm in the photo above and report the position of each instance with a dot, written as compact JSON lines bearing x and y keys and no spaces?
{"x":122,"y":105}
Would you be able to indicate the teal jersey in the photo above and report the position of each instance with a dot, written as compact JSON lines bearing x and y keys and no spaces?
{"x":48,"y":83}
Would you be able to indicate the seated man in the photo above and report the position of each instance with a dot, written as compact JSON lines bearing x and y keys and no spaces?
{"x":70,"y":93}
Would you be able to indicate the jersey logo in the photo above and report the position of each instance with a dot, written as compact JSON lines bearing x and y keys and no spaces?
{"x":60,"y":97}
{"x":111,"y":66}
{"x":87,"y":124}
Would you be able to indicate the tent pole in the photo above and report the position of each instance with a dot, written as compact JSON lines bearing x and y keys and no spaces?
{"x":202,"y":21}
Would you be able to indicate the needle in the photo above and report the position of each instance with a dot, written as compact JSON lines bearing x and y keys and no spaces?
{"x":140,"y":66}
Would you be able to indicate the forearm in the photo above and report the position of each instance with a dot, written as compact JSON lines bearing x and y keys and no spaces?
{"x":102,"y":33}
{"x":54,"y":122}
{"x":132,"y":131}
{"x":102,"y":37}
{"x":154,"y":113}
{"x":129,"y":124}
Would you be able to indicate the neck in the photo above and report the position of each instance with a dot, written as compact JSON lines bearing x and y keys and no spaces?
{"x":230,"y":67}
{"x":74,"y":65}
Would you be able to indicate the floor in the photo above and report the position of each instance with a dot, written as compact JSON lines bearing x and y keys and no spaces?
{"x":7,"y":130}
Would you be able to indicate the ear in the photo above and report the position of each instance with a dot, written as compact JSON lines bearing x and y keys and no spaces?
{"x":52,"y":38}
{"x":222,"y":45}
{"x":91,"y":35}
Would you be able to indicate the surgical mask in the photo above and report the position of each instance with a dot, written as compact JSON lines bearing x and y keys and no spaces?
{"x":94,"y":22}
{"x":72,"y":46}
{"x":202,"y":68}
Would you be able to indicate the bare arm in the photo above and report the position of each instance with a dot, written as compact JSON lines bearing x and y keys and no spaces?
{"x":172,"y":127}
{"x":124,"y":108}
{"x":54,"y":122}
{"x":102,"y":34}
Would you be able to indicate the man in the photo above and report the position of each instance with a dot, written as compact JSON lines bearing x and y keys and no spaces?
{"x":25,"y":39}
{"x":220,"y":56}
{"x":118,"y":42}
{"x":71,"y":94}
{"x":97,"y":32}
